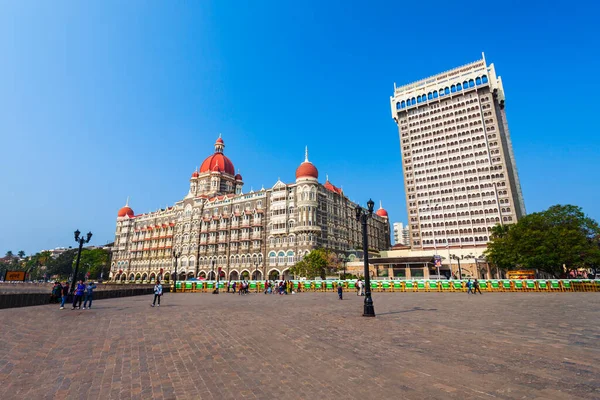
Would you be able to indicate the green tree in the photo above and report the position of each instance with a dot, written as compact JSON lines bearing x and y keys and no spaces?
{"x":21,"y":254}
{"x":558,"y":240}
{"x":312,"y":265}
{"x":63,"y":264}
{"x":93,"y":261}
{"x":9,"y":254}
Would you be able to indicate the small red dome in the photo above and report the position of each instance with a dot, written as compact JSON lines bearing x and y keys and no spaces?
{"x":219,"y":140}
{"x":238,"y":177}
{"x":307,"y":170}
{"x":125,"y":211}
{"x":195,"y":174}
{"x":382,"y":213}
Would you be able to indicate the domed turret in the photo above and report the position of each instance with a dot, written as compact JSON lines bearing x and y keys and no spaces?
{"x":307,"y":169}
{"x":381,"y":212}
{"x":126,"y":210}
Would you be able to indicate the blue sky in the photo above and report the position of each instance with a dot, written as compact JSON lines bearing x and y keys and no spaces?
{"x":104,"y":100}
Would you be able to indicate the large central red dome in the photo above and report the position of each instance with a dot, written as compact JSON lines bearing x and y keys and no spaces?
{"x":218,"y":162}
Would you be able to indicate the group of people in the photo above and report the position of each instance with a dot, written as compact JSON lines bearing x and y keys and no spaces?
{"x":473,"y":287}
{"x":82,"y":292}
{"x":240,"y":287}
{"x":279,"y":287}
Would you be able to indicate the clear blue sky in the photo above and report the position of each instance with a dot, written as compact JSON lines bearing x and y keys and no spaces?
{"x":108,"y":99}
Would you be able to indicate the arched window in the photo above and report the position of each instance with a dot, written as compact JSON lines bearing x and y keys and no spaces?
{"x":471,"y":83}
{"x":453,"y":88}
{"x":484,"y":79}
{"x":418,"y":99}
{"x":281,"y":257}
{"x":478,"y":81}
{"x":290,"y":257}
{"x":441,"y":92}
{"x":458,"y":87}
{"x":447,"y":90}
{"x":272,"y":258}
{"x":402,"y":104}
{"x":435,"y":94}
{"x":429,"y":96}
{"x":397,"y":105}
{"x":413,"y":101}
{"x":465,"y":84}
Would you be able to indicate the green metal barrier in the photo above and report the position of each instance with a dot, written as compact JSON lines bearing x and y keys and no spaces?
{"x":542,"y":285}
{"x":398,"y":286}
{"x":519,"y":285}
{"x":457,"y":286}
{"x":446,"y":286}
{"x":434,"y":285}
{"x":421,"y":286}
{"x":409,"y":286}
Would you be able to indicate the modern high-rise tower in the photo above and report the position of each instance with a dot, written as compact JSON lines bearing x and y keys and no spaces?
{"x":460,"y":174}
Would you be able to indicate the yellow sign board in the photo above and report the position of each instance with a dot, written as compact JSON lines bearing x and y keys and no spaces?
{"x":14,"y":276}
{"x":521,"y":274}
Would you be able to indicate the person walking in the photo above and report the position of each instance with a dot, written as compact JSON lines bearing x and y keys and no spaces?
{"x":89,"y":293}
{"x":234,"y":285}
{"x":158,"y":290}
{"x":469,"y":286}
{"x":476,"y":287}
{"x":340,"y":290}
{"x":357,"y":286}
{"x":65,"y":294}
{"x":78,"y":295}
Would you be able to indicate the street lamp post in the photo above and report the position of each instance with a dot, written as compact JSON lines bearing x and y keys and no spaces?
{"x":256,"y":275}
{"x":176,"y":255}
{"x":363,"y":216}
{"x":81,"y":240}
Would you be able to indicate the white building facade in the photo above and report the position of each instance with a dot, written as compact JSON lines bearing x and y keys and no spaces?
{"x":459,"y":169}
{"x":401,"y":234}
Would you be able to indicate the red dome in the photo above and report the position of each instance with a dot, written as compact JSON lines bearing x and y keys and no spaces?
{"x":217,"y":162}
{"x":238,"y":177}
{"x":382,"y":213}
{"x":195,"y":174}
{"x":219,"y":140}
{"x":307,"y":170}
{"x":125,"y":211}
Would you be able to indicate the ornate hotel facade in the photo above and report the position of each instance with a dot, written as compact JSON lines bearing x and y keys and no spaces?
{"x":460,"y":174}
{"x":257,"y":234}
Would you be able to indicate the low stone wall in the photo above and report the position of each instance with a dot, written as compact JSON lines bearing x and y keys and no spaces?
{"x":11,"y":300}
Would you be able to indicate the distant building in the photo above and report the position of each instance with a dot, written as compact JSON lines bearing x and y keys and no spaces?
{"x":256,"y":234}
{"x":401,"y":234}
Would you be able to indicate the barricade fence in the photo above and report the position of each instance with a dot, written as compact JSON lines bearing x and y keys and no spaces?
{"x":416,"y":285}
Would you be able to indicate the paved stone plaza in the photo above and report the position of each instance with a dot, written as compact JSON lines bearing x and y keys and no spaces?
{"x":309,"y":345}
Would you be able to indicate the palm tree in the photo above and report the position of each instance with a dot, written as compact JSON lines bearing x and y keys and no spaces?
{"x":9,"y":254}
{"x":21,"y":254}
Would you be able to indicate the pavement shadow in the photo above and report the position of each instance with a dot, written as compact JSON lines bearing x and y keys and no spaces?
{"x":407,"y":311}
